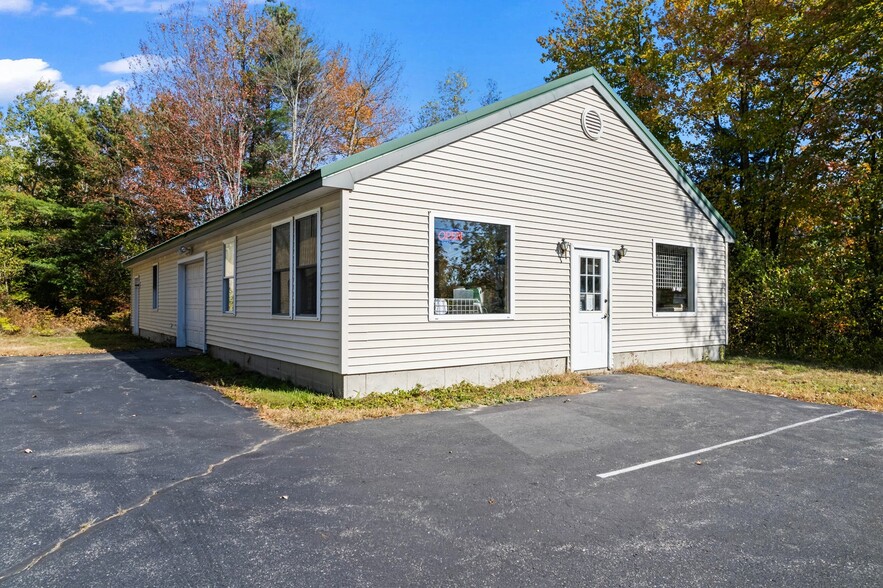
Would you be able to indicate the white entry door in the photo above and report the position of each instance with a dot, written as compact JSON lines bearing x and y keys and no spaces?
{"x":590,"y":309}
{"x":194,"y":305}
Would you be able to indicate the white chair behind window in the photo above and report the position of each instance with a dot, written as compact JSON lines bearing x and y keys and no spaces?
{"x":469,"y":300}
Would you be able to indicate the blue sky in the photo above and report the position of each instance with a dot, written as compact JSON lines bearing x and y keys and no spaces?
{"x":74,"y":43}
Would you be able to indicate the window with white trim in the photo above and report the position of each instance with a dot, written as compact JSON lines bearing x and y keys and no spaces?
{"x":472,"y":268}
{"x":282,"y":269}
{"x":306,"y":263}
{"x":154,"y":293}
{"x":674,"y":279}
{"x":228,"y":285}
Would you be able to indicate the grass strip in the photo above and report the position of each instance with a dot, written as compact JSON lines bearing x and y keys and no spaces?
{"x":90,"y":341}
{"x":795,"y":380}
{"x":286,"y":405}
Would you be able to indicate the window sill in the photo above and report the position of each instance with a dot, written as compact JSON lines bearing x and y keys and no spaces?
{"x":470,"y":317}
{"x":673,"y":313}
{"x":310,"y":318}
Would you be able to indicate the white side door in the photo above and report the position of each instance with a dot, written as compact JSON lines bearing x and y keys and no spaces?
{"x":194,"y":304}
{"x":590,"y":309}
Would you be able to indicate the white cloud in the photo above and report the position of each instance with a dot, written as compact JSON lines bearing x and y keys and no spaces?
{"x":16,"y":5}
{"x":132,"y":5}
{"x":133,"y":64}
{"x":20,"y":75}
{"x":94,"y":91}
{"x":66,"y":11}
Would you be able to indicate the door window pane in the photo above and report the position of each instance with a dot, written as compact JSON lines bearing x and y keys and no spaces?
{"x":590,"y":284}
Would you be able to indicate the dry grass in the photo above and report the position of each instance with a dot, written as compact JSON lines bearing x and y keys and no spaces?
{"x":15,"y":320}
{"x":294,"y":408}
{"x":799,"y":381}
{"x":92,"y":341}
{"x":30,"y":332}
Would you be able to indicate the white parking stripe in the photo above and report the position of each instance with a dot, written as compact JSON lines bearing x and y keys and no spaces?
{"x":718,"y":446}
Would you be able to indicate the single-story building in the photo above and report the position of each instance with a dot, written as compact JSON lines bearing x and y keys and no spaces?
{"x":544,"y":233}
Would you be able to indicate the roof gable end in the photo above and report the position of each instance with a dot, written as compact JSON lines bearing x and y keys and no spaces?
{"x":345,"y":172}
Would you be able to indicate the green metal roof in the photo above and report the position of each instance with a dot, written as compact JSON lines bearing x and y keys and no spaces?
{"x":317,"y":177}
{"x":457,"y":121}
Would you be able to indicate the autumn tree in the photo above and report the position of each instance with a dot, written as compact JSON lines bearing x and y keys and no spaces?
{"x":365,"y":90}
{"x":453,"y":95}
{"x":291,"y":66}
{"x":774,"y":107}
{"x":335,"y":102}
{"x":166,"y":183}
{"x":620,"y":38}
{"x":203,"y":69}
{"x":491,"y":93}
{"x":453,"y":98}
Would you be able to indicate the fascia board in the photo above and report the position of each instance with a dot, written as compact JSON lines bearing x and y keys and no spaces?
{"x":346,"y":178}
{"x":284,"y":193}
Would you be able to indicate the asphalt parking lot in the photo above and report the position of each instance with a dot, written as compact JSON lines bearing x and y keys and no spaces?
{"x":138,"y":477}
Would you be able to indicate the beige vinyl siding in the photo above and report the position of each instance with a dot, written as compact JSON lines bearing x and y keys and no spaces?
{"x":253,"y":329}
{"x":163,"y":319}
{"x":540,"y":172}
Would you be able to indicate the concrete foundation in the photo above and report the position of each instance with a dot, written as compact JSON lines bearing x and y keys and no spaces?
{"x":488,"y":374}
{"x":160,"y":338}
{"x":312,"y":378}
{"x":357,"y":385}
{"x":667,"y":356}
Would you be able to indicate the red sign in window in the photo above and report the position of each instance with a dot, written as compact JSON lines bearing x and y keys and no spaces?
{"x":450,"y":236}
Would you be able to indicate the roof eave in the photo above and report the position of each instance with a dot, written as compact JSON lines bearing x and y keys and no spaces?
{"x":344,"y":173}
{"x":293,"y":189}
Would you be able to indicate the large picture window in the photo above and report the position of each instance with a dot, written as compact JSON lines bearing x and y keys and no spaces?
{"x":674,"y":278}
{"x":472,"y":268}
{"x":229,"y":281}
{"x":306,"y":281}
{"x":282,"y":269}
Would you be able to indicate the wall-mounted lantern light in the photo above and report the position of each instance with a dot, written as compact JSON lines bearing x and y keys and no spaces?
{"x":185,"y":249}
{"x":562,"y":248}
{"x":618,"y":254}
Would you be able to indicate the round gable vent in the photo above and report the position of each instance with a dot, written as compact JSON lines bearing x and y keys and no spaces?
{"x":592,"y":123}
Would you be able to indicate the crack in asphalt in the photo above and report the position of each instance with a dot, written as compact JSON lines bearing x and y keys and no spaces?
{"x":92,"y":524}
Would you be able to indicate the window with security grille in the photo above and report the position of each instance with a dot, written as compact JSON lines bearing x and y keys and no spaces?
{"x":674,"y":278}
